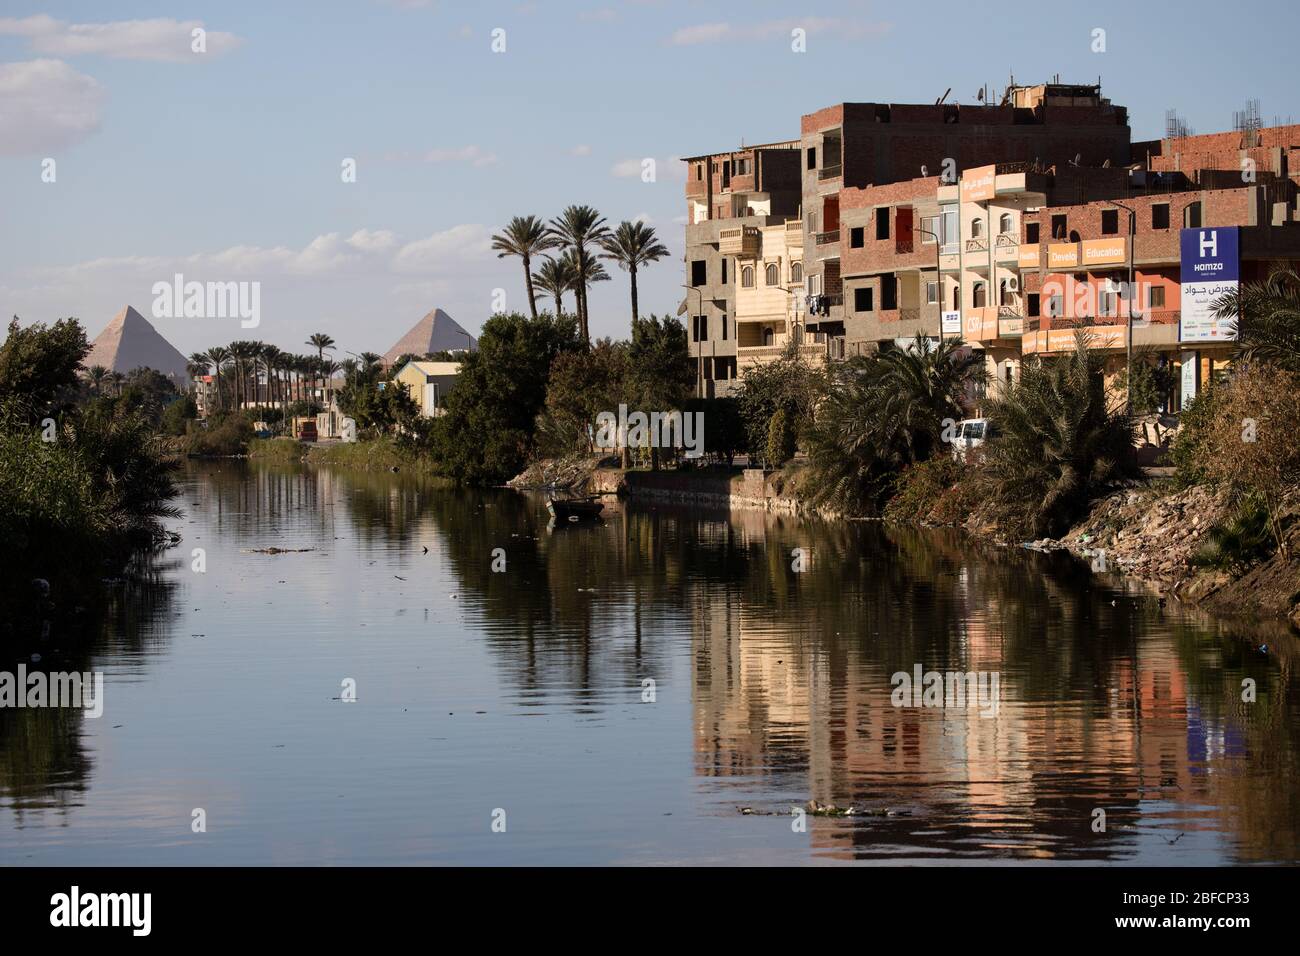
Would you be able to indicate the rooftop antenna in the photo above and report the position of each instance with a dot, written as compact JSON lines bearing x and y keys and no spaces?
{"x":944,"y":97}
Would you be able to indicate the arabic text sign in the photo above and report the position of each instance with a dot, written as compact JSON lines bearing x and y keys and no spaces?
{"x":1210,"y":267}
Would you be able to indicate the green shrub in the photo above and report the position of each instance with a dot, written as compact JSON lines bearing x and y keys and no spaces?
{"x":224,"y":436}
{"x":780,"y":439}
{"x":920,"y":489}
{"x":1239,"y":541}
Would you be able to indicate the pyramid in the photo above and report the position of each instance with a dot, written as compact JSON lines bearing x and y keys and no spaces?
{"x":130,"y":342}
{"x":433,"y":333}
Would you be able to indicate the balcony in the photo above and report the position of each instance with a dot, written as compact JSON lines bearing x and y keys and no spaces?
{"x":741,"y":241}
{"x":794,"y":233}
{"x":830,"y":172}
{"x":826,"y":238}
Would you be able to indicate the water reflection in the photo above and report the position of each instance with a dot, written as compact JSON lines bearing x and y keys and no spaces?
{"x":775,"y":683}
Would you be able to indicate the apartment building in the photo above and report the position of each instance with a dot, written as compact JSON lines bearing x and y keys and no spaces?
{"x":726,"y":195}
{"x":1009,"y":226}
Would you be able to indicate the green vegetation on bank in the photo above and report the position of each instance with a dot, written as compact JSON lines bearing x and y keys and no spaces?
{"x":85,"y":477}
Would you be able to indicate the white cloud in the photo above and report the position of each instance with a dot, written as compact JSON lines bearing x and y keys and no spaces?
{"x":670,"y":167}
{"x":458,"y":244}
{"x":716,"y":32}
{"x":161,"y":39}
{"x":582,"y":149}
{"x":48,"y":106}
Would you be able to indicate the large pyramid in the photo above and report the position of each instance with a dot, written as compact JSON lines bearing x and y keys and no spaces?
{"x":433,"y":333}
{"x":130,"y":342}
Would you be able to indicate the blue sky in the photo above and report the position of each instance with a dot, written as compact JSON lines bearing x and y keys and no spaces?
{"x":226,"y":165}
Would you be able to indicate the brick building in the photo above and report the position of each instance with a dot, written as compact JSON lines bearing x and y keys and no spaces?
{"x":1010,"y":226}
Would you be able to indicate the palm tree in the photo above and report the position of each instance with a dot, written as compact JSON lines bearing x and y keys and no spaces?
{"x":556,"y":277}
{"x":631,"y":245}
{"x":1268,"y":318}
{"x":584,"y":276}
{"x":320,"y":342}
{"x":97,"y":375}
{"x":117,"y":379}
{"x":219,"y":355}
{"x":579,"y":228}
{"x":1058,"y":443}
{"x":525,"y":237}
{"x":883,"y":413}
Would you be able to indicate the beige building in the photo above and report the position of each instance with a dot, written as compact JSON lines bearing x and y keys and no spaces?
{"x":428,"y":383}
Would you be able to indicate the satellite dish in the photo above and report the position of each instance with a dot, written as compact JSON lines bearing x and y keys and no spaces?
{"x":924,"y":172}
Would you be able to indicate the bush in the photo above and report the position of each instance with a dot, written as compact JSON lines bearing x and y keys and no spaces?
{"x":1057,"y":445}
{"x":780,"y":439}
{"x":224,"y":436}
{"x":177,"y":416}
{"x":1240,"y":541}
{"x":919,"y":491}
{"x":1250,"y":443}
{"x":1190,"y":450}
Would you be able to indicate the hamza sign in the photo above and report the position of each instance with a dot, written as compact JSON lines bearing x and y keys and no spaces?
{"x":1210,"y":266}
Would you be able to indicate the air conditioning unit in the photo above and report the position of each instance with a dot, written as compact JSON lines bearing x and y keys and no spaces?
{"x":1013,"y":283}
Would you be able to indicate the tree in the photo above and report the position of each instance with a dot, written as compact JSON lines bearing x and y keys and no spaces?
{"x":555,"y":278}
{"x":220,"y":355}
{"x":581,"y":385}
{"x":1268,"y":318}
{"x":579,"y":228}
{"x":789,"y":382}
{"x":488,"y":430}
{"x":661,"y":376}
{"x":1057,"y":444}
{"x":97,"y":376}
{"x":525,"y":237}
{"x":39,"y":364}
{"x":882,"y":413}
{"x":631,"y":245}
{"x":320,"y":341}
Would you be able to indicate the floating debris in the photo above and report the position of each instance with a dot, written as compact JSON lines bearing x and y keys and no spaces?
{"x":276,"y":550}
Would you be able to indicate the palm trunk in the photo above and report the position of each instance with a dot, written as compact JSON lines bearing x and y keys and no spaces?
{"x":528,"y":284}
{"x":635,"y":313}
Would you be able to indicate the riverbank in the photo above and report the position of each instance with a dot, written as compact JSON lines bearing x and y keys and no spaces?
{"x":1151,"y":532}
{"x":379,"y":454}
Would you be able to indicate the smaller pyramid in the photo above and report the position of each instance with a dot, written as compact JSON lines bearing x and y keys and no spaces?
{"x":436,"y":332}
{"x":130,"y":342}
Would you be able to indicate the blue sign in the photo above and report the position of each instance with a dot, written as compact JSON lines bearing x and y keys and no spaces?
{"x":1210,"y":255}
{"x":1210,"y":269}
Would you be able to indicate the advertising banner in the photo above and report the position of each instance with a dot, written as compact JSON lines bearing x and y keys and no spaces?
{"x":1210,"y":267}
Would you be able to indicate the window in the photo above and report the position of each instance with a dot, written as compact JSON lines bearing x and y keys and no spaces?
{"x":1157,"y":297}
{"x":929,"y":229}
{"x":949,"y":231}
{"x":862,"y":300}
{"x":1192,"y":216}
{"x":812,"y":157}
{"x":768,"y":336}
{"x":1031,"y":232}
{"x":724,"y":271}
{"x":699,"y":171}
{"x":1110,"y":222}
{"x":742,"y":167}
{"x":856,"y":237}
{"x":699,"y":328}
{"x":976,"y":228}
{"x":1004,"y":298}
{"x":747,"y":277}
{"x":1032,"y":306}
{"x":1004,"y":224}
{"x":1107,"y":300}
{"x":978,"y":295}
{"x":1160,"y":215}
{"x":882,"y":223}
{"x":1058,"y":226}
{"x":772,"y":274}
{"x":1056,"y":305}
{"x":889,"y":292}
{"x":699,"y":272}
{"x":932,"y":293}
{"x":796,"y":272}
{"x":956,"y":298}
{"x":725,"y":334}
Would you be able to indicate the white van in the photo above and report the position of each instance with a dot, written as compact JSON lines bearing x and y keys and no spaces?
{"x":971,"y":433}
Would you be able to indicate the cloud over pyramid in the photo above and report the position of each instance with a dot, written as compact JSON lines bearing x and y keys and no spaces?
{"x":130,"y":342}
{"x":433,"y":333}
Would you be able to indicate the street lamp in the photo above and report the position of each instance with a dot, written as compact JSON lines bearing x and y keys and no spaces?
{"x":1128,"y":331}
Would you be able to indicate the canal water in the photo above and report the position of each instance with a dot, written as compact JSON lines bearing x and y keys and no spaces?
{"x":664,"y":687}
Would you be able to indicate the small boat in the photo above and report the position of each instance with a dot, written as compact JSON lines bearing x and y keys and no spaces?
{"x":574,"y":509}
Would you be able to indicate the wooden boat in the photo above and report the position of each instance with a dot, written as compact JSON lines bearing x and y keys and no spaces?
{"x":574,"y":509}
